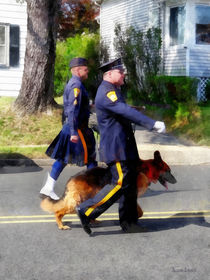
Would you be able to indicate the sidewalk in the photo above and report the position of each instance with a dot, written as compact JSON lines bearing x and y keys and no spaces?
{"x":173,"y":151}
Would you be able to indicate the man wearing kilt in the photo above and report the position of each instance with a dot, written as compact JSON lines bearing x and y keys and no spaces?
{"x":75,"y":143}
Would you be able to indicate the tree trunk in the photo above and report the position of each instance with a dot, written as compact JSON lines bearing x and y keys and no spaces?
{"x":36,"y":94}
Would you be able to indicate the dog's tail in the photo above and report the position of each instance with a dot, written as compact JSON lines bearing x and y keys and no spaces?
{"x":52,"y":206}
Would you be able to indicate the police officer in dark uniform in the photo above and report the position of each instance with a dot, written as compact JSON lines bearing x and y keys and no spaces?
{"x":117,"y":149}
{"x":75,"y":143}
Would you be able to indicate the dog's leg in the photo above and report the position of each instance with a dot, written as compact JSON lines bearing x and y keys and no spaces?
{"x":58,"y":216}
{"x":142,"y":184}
{"x":140,"y":211}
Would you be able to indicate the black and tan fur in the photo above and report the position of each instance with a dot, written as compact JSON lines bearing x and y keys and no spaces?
{"x":87,"y":183}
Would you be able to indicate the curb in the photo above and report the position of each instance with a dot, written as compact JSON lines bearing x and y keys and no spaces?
{"x":172,"y":154}
{"x":177,"y":154}
{"x":25,"y":162}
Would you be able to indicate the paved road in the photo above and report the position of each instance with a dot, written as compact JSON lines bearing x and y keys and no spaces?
{"x":175,"y":246}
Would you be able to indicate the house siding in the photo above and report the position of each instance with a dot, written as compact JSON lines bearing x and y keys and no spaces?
{"x":188,"y":59}
{"x":10,"y":78}
{"x":199,"y":63}
{"x":136,"y":13}
{"x":126,"y":13}
{"x":179,"y":61}
{"x":175,"y":62}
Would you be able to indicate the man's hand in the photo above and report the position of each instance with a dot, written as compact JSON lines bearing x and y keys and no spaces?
{"x":159,"y":127}
{"x":74,"y":138}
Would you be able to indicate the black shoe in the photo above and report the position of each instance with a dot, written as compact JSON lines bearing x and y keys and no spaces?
{"x":132,"y":228}
{"x":84,"y":221}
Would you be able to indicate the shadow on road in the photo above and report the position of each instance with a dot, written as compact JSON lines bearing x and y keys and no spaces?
{"x":151,"y":225}
{"x":157,"y":192}
{"x":175,"y":222}
{"x":17,"y":163}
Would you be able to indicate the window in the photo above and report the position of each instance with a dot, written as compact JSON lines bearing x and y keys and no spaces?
{"x":202,"y":25}
{"x":4,"y":35}
{"x":153,"y":18}
{"x":177,"y":25}
{"x":9,"y":45}
{"x":14,"y":45}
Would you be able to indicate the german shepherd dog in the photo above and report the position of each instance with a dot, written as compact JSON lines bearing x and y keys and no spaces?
{"x":87,"y":183}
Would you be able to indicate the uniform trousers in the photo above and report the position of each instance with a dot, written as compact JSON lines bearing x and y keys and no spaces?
{"x":123,"y":187}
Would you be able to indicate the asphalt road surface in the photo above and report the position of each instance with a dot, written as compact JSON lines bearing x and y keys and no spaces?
{"x":176,"y":244}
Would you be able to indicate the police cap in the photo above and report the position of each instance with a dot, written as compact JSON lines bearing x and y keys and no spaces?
{"x":112,"y":65}
{"x":78,"y":61}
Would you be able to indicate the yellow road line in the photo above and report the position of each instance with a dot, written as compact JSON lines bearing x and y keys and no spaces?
{"x":106,"y":214}
{"x":99,"y":219}
{"x":31,"y":216}
{"x":177,"y":212}
{"x":47,"y":221}
{"x":27,"y":221}
{"x":47,"y":216}
{"x":175,"y":217}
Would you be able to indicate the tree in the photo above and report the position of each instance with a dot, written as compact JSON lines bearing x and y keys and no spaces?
{"x":141,"y":54}
{"x":36,"y":94}
{"x":76,"y":16}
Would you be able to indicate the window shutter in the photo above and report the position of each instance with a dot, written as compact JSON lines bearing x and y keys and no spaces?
{"x":14,"y":50}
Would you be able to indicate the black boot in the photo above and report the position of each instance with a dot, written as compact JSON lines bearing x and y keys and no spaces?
{"x":84,"y":221}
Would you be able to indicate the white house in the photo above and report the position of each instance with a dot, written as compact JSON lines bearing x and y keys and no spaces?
{"x":13,"y":30}
{"x":185,"y":26}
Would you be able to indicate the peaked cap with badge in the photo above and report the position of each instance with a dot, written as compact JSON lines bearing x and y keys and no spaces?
{"x":112,"y":65}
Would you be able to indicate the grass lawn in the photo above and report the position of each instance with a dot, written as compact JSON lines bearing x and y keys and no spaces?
{"x":199,"y":130}
{"x":37,"y":131}
{"x":205,"y":125}
{"x":12,"y":152}
{"x":196,"y":130}
{"x":30,"y":131}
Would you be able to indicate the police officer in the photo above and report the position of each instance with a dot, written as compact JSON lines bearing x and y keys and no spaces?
{"x":75,"y":143}
{"x":117,"y":149}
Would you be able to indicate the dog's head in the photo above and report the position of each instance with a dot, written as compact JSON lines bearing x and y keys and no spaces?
{"x":157,"y":170}
{"x":164,"y":170}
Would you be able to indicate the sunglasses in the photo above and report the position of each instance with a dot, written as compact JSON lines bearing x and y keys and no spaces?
{"x":119,"y":71}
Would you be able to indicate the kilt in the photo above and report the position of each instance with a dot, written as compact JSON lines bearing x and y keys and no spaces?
{"x":79,"y":153}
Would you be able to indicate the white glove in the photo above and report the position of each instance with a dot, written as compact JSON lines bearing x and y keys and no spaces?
{"x":159,"y":127}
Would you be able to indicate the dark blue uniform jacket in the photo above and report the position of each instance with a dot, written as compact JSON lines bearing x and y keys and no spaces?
{"x":117,"y":141}
{"x":76,"y":105}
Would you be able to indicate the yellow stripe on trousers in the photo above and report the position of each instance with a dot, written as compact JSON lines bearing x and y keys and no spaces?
{"x":111,"y":193}
{"x":84,"y":146}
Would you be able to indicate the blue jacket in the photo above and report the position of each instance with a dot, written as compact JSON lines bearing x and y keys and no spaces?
{"x":117,"y":141}
{"x":76,"y":105}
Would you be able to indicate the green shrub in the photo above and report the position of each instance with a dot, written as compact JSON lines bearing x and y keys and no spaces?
{"x":85,"y":45}
{"x":180,"y":93}
{"x":173,"y":90}
{"x":140,"y":52}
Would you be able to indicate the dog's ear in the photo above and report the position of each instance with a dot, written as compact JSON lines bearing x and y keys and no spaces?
{"x":157,"y":156}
